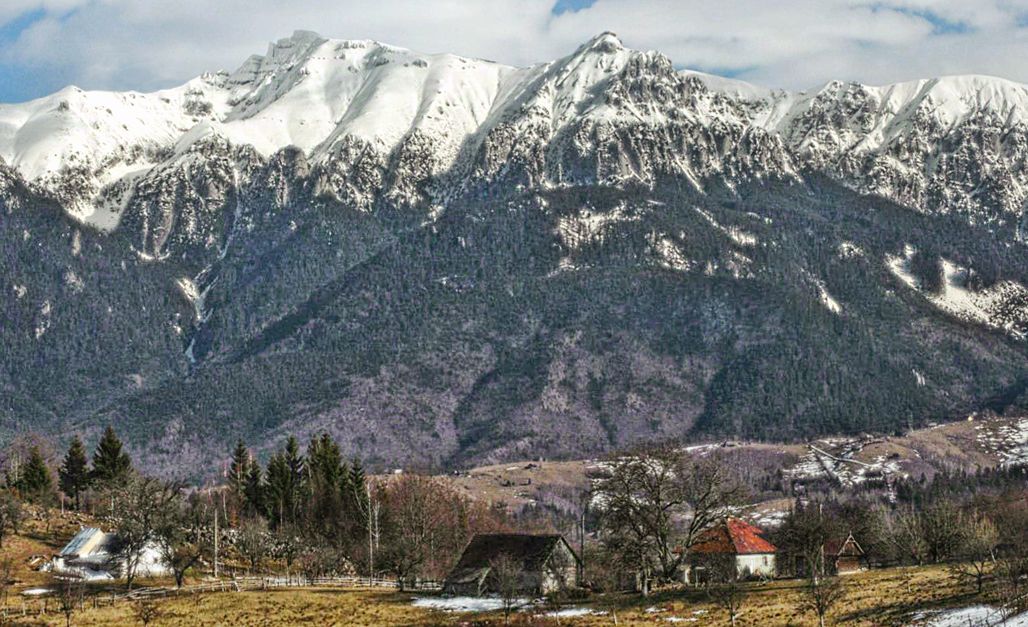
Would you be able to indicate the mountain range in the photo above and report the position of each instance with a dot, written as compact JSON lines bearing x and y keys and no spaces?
{"x":444,"y":261}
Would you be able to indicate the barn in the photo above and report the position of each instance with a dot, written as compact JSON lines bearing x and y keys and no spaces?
{"x":731,"y":542}
{"x":93,"y":555}
{"x":546,"y":563}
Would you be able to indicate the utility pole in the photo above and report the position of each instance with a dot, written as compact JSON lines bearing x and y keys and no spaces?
{"x":581,"y":539}
{"x":215,"y":540}
{"x":372,"y":521}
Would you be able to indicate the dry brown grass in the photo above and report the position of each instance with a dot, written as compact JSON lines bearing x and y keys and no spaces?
{"x":876,"y":598}
{"x":320,"y":607}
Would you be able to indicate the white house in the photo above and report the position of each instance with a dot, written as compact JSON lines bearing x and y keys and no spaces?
{"x":732,"y":541}
{"x":92,"y":555}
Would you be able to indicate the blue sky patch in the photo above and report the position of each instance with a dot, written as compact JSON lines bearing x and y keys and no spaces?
{"x":940,"y":25}
{"x":571,"y":6}
{"x":10,"y":31}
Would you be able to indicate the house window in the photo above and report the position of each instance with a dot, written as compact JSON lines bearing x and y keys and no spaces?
{"x":765,"y":560}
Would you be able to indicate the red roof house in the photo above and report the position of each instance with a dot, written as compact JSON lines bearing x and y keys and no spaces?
{"x":736,"y":540}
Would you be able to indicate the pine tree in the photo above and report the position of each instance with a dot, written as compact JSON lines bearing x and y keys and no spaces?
{"x":110,"y":463}
{"x":74,"y":473}
{"x":36,"y":482}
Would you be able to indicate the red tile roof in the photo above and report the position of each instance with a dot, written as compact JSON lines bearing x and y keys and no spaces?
{"x":734,"y":537}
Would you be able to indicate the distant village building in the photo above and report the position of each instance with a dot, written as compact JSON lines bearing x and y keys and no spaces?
{"x":547,"y":564}
{"x":93,"y":555}
{"x":731,"y":542}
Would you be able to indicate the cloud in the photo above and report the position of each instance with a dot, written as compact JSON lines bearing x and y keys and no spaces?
{"x":145,"y":44}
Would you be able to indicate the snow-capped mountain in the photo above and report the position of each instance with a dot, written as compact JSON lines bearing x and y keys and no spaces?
{"x":604,"y":113}
{"x":445,"y":259}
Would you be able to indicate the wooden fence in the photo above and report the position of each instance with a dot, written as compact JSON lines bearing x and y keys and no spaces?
{"x":49,"y":604}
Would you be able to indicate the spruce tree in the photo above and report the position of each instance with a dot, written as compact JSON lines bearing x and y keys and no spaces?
{"x":74,"y":473}
{"x":278,"y":490}
{"x":324,"y":476}
{"x":355,"y":494}
{"x":286,"y":487}
{"x":239,"y":471}
{"x":110,"y":463}
{"x":36,"y":483}
{"x":255,"y":497}
{"x":324,"y":462}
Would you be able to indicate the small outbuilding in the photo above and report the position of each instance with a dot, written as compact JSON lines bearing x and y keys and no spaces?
{"x":94,"y":555}
{"x":732,"y":543}
{"x":845,"y":556}
{"x":544,"y":564}
{"x":841,"y":556}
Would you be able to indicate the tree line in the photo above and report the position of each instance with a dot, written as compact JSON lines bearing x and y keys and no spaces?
{"x":309,"y":512}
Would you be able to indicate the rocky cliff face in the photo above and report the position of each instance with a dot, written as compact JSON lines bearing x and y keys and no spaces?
{"x":443,"y":260}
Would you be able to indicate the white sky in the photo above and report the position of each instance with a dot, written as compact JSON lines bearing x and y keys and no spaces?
{"x":145,"y":44}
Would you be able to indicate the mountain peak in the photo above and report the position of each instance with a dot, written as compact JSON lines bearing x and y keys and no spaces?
{"x":606,"y":43}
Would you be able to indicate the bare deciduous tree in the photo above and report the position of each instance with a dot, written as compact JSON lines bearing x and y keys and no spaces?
{"x":147,"y":611}
{"x":70,"y":594}
{"x":6,"y":570}
{"x":942,"y":527}
{"x":425,"y":526}
{"x":505,"y":574}
{"x":11,"y":514}
{"x":821,"y":592}
{"x":907,"y":536}
{"x":977,"y":550}
{"x":144,"y":506}
{"x":185,"y":536}
{"x":724,"y":585}
{"x":655,"y":504}
{"x":253,"y":541}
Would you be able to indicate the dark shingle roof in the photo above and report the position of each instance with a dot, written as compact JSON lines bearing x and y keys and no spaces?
{"x":531,"y":550}
{"x":843,"y":547}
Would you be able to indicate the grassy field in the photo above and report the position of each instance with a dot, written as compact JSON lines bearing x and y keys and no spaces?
{"x":882,"y":597}
{"x":878,"y":597}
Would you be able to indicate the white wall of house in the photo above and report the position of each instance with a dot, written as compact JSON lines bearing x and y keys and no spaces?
{"x":756,"y":565}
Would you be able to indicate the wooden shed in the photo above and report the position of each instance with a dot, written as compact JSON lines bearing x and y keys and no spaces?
{"x":845,"y":556}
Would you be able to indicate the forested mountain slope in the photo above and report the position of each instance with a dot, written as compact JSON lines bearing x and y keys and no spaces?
{"x":443,"y":260}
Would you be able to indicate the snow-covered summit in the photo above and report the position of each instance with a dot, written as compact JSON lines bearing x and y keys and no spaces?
{"x":604,"y":113}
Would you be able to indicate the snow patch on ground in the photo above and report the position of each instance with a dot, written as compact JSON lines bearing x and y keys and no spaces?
{"x":43,"y":319}
{"x":835,"y":458}
{"x":974,"y":616}
{"x":734,"y":233}
{"x":463,"y":604}
{"x":849,"y":250}
{"x":669,"y":255}
{"x":36,"y":592}
{"x":588,"y":225}
{"x":827,"y":300}
{"x":574,"y":612}
{"x":1007,"y":440}
{"x":999,"y":306}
